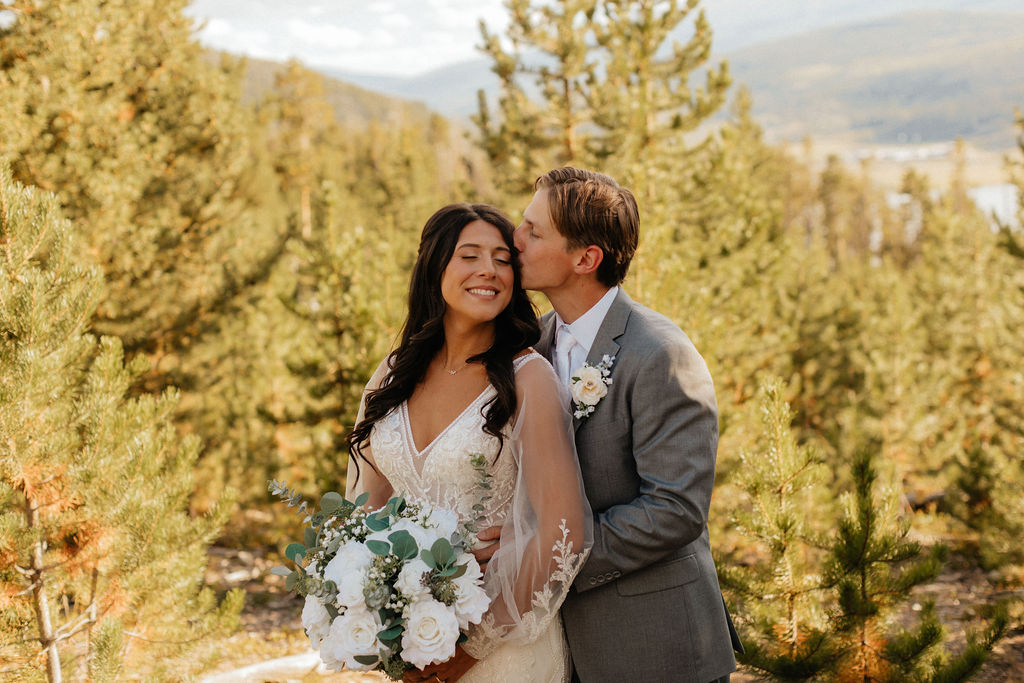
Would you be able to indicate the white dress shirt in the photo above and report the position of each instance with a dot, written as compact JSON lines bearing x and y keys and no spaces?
{"x":583,"y":330}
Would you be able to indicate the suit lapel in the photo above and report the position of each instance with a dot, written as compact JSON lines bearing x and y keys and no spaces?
{"x":605,"y":343}
{"x":547,"y":336}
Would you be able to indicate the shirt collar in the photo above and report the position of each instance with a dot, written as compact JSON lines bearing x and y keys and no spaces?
{"x":585,"y":328}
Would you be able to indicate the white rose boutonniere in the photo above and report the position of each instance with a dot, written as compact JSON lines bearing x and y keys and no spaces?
{"x":589,"y":384}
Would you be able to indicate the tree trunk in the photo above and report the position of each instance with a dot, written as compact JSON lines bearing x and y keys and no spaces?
{"x":42,"y":603}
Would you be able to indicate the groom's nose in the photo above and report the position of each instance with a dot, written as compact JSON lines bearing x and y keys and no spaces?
{"x":517,"y":236}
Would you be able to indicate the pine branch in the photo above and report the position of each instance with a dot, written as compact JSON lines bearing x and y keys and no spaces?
{"x":201,"y":318}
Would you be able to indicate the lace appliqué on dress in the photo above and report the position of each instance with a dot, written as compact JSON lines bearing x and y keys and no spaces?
{"x":443,"y":474}
{"x":546,"y":601}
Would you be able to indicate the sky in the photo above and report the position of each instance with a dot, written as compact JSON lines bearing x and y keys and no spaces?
{"x":410,"y":37}
{"x":393,"y":37}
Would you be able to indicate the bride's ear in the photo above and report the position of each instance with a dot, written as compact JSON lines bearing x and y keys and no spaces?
{"x":589,"y":259}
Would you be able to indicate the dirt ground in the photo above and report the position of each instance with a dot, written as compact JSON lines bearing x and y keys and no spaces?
{"x":271,"y":626}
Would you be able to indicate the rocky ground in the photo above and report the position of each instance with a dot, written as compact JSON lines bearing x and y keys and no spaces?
{"x":271,"y":628}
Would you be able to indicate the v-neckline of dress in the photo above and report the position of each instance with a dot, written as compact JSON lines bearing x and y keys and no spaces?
{"x":420,"y":454}
{"x":419,"y":457}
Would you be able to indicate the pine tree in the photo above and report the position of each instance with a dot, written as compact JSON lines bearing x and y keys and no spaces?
{"x":527,"y":134}
{"x":120,"y":114}
{"x":585,"y":82}
{"x":646,"y":104}
{"x":873,"y":565}
{"x":301,"y":129}
{"x":781,"y":592}
{"x":101,"y":563}
{"x":971,"y":292}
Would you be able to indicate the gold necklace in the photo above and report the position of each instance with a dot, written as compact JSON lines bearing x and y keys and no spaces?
{"x":452,"y":372}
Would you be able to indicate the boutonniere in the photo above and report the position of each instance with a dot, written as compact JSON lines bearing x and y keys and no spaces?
{"x":589,"y":384}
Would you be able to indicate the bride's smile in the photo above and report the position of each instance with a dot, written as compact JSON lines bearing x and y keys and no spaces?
{"x":477,"y":283}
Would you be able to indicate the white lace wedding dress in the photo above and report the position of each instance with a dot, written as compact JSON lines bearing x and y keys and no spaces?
{"x":535,"y":494}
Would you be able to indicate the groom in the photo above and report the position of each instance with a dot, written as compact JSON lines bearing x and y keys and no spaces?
{"x":646,"y":606}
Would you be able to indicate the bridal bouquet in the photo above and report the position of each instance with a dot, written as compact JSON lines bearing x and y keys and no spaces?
{"x":387,"y":589}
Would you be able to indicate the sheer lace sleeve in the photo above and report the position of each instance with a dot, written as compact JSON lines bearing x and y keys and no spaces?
{"x":549,"y":528}
{"x":370,"y":479}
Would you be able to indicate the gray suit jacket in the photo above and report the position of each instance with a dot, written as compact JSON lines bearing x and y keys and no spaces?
{"x":647,"y":606}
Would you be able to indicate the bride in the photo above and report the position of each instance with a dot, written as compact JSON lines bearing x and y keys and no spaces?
{"x":464,"y":412}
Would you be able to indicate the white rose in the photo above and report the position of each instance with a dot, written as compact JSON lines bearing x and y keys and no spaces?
{"x":352,"y":634}
{"x":410,"y":579}
{"x":348,"y":571}
{"x":431,"y":630}
{"x":590,"y":387}
{"x":444,"y":522}
{"x":471,"y":600}
{"x":315,"y":620}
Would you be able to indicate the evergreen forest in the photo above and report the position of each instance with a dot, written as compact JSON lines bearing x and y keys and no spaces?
{"x":198,"y":276}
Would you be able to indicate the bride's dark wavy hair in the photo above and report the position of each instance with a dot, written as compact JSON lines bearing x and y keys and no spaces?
{"x":515,"y":328}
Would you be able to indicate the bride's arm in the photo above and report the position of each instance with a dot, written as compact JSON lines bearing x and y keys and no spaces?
{"x":370,"y":480}
{"x":549,"y":526}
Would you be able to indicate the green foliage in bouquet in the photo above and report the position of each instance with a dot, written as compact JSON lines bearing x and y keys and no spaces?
{"x":339,"y":521}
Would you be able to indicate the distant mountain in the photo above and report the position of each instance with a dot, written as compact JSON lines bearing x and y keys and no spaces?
{"x":911,"y":77}
{"x":450,"y":90}
{"x":917,"y":77}
{"x":352,"y":104}
{"x":741,"y":23}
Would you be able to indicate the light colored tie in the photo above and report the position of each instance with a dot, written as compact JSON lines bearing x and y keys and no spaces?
{"x":564,"y":344}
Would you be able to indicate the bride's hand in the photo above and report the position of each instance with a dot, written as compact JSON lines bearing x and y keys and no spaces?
{"x":488,"y":545}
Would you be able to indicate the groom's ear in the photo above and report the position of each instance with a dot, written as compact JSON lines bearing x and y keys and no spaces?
{"x":588,"y":260}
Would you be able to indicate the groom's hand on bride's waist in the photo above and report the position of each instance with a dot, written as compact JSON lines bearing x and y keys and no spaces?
{"x":488,"y":545}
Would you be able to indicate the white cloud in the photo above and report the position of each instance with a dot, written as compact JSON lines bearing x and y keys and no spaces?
{"x":217,"y":28}
{"x":323,"y":34}
{"x":399,"y":37}
{"x":397,"y":21}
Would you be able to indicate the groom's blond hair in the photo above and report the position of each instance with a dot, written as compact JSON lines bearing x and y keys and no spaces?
{"x":590,"y":208}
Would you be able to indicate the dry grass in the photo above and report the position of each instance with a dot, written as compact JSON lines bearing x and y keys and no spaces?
{"x":271,"y":626}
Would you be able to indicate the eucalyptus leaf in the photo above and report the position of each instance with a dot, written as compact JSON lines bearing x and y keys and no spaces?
{"x":289,"y":583}
{"x":391,"y":633}
{"x":442,"y":551}
{"x":368,"y":660}
{"x":428,"y":558}
{"x":375,"y":523}
{"x":361,"y":500}
{"x":280,"y":570}
{"x":459,"y":571}
{"x":294,"y":551}
{"x":309,"y":536}
{"x":403,"y":545}
{"x":331,"y":501}
{"x":378,"y":547}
